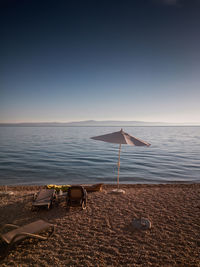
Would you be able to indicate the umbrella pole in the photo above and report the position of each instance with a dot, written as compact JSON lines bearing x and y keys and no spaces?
{"x":118,"y":166}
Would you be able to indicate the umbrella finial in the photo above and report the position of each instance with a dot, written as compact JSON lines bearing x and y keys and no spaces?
{"x":121,"y":130}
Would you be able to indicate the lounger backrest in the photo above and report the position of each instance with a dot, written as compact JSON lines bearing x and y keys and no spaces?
{"x":76,"y":193}
{"x":46,"y":194}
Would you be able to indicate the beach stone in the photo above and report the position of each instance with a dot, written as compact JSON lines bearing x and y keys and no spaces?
{"x":141,"y":224}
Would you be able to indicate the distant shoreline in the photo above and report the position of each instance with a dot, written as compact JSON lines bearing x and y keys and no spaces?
{"x":65,"y":126}
{"x":93,"y":123}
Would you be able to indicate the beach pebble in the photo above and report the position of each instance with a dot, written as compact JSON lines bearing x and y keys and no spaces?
{"x":141,"y":224}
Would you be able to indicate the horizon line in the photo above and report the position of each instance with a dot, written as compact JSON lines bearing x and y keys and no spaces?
{"x":102,"y":121}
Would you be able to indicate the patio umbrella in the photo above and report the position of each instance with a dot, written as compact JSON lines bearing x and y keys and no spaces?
{"x":120,"y":138}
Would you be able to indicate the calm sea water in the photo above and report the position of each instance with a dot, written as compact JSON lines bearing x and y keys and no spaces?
{"x":67,"y":155}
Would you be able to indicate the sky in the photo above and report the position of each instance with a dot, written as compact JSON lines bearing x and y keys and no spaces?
{"x":63,"y":61}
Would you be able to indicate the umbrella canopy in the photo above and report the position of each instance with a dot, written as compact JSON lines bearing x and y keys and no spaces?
{"x":120,"y":138}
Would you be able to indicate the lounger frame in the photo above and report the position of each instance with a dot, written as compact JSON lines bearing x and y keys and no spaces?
{"x":20,"y":233}
{"x":44,"y":198}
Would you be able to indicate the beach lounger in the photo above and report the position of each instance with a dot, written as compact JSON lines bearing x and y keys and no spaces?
{"x":76,"y":196}
{"x":93,"y":188}
{"x":44,"y":198}
{"x":31,"y":230}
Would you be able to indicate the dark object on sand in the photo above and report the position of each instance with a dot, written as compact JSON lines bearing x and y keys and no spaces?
{"x":141,"y":224}
{"x":31,"y":230}
{"x":76,"y":196}
{"x":44,"y":198}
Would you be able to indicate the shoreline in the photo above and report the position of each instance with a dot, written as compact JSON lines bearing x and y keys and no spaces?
{"x":102,"y":235}
{"x":107,"y":185}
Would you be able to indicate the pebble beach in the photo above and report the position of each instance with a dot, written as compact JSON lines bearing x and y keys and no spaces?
{"x":103,"y":234}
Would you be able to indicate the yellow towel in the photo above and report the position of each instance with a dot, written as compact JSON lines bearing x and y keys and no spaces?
{"x":64,"y":188}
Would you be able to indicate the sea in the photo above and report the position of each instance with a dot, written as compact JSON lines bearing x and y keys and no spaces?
{"x":67,"y":155}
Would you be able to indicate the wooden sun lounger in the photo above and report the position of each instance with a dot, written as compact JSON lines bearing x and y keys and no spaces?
{"x":31,"y":230}
{"x":44,"y":198}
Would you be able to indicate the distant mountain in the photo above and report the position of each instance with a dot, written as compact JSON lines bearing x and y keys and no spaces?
{"x":112,"y":123}
{"x":92,"y":123}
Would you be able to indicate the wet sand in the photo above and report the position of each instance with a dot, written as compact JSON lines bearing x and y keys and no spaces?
{"x":102,"y":235}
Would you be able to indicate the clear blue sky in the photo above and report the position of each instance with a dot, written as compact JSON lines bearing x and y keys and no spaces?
{"x":101,"y":60}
